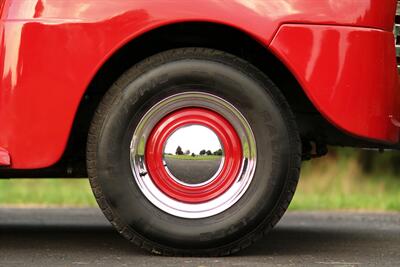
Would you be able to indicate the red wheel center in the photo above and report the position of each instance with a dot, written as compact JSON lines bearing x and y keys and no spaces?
{"x":197,"y":193}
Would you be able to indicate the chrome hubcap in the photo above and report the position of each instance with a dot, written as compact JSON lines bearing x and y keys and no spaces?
{"x":193,"y":155}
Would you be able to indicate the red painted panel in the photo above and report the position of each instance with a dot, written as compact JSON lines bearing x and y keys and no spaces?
{"x":51,"y":49}
{"x":366,"y":13}
{"x":348,"y":73}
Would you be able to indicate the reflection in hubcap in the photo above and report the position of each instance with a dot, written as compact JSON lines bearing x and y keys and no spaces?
{"x":193,"y":155}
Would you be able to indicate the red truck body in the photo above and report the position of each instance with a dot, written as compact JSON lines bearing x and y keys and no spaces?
{"x":340,"y":52}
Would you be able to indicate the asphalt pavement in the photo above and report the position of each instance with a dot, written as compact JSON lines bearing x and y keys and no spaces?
{"x":82,"y":237}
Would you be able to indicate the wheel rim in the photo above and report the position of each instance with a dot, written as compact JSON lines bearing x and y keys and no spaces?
{"x":170,"y":182}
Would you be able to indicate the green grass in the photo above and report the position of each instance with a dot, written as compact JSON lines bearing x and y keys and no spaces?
{"x":46,"y":192}
{"x":337,"y":183}
{"x":331,"y":183}
{"x":189,"y":157}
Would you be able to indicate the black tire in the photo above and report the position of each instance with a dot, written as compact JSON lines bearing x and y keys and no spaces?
{"x":221,"y":74}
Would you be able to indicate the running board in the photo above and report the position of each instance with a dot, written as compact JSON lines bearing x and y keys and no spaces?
{"x":4,"y":157}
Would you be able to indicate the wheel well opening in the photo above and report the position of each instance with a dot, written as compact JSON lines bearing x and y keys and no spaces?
{"x":196,"y":34}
